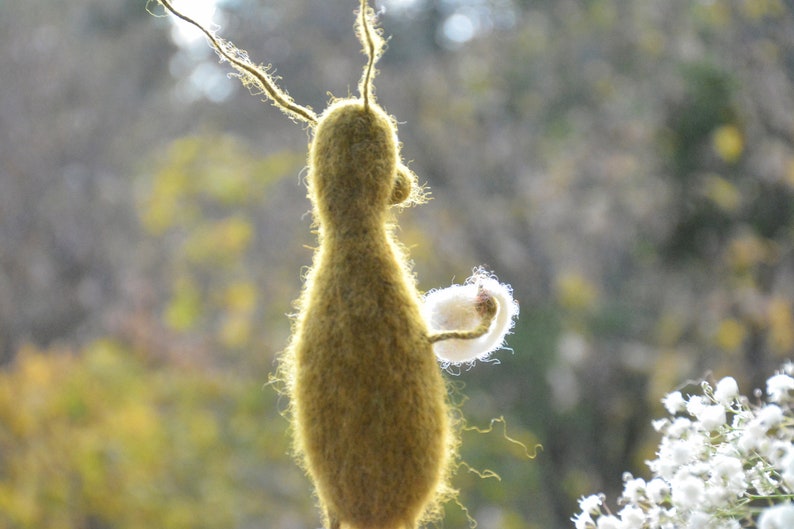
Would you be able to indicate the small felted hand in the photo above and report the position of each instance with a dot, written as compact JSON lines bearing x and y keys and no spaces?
{"x":482,"y":305}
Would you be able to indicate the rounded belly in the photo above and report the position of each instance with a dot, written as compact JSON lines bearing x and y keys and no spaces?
{"x":371,"y":421}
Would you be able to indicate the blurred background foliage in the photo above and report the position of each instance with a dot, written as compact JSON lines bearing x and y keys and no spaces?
{"x":627,"y":165}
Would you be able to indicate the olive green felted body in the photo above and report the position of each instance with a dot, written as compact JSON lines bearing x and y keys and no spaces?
{"x":369,"y":408}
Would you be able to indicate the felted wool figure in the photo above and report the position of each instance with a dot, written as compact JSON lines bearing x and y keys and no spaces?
{"x":369,"y":409}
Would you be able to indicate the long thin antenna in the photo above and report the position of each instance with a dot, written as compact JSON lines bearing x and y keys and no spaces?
{"x":370,"y":53}
{"x":373,"y":47}
{"x":250,"y":73}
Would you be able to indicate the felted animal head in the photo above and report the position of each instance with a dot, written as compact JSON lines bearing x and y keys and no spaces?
{"x":354,"y":160}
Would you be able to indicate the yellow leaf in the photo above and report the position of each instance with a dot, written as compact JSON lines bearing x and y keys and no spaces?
{"x":185,"y":307}
{"x":728,"y":142}
{"x":671,"y":366}
{"x":36,"y":368}
{"x":162,"y":208}
{"x":576,"y":292}
{"x":781,"y":326}
{"x":747,"y":251}
{"x":236,"y":233}
{"x":717,"y":14}
{"x":669,"y":329}
{"x":723,"y":193}
{"x":652,"y":42}
{"x":790,"y":172}
{"x":236,"y":331}
{"x":219,"y":241}
{"x":758,"y":9}
{"x":730,"y":334}
{"x":202,"y":428}
{"x":240,"y":297}
{"x":19,"y":506}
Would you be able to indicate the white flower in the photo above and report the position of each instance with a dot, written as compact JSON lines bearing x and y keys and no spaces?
{"x":729,"y":523}
{"x":761,"y":480}
{"x":657,"y":490}
{"x":741,"y":418}
{"x":752,"y":437}
{"x":590,"y":504}
{"x":655,"y":515}
{"x":674,"y":453}
{"x":674,"y":402}
{"x":695,"y":405}
{"x":778,"y":386}
{"x":687,"y":490}
{"x":716,"y":496}
{"x":633,"y":489}
{"x":786,"y":466}
{"x":583,"y":520}
{"x":632,"y":517}
{"x":770,"y":416}
{"x":660,"y":425}
{"x":455,"y":308}
{"x":777,"y":517}
{"x":727,"y":389}
{"x":711,"y":417}
{"x":681,"y":452}
{"x":681,"y":427}
{"x":609,"y":522}
{"x":698,"y":520}
{"x":728,"y":471}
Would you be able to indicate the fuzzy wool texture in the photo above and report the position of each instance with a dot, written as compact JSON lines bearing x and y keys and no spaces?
{"x":457,"y":307}
{"x":371,"y":420}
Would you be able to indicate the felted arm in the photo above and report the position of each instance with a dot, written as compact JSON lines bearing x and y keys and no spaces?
{"x":486,"y":307}
{"x":468,"y":322}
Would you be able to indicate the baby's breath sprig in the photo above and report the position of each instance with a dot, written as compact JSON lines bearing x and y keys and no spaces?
{"x":723,"y":462}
